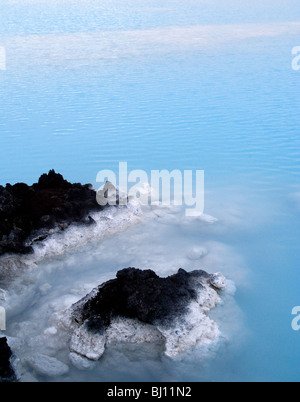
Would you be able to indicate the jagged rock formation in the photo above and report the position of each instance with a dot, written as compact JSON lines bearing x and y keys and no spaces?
{"x":147,"y":307}
{"x":27,"y":213}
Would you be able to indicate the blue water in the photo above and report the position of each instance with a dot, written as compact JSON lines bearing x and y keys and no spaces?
{"x":228,"y":104}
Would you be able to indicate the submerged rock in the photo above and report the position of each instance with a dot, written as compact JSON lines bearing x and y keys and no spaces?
{"x":27,"y":213}
{"x":139,"y":306}
{"x":46,"y":365}
{"x":7,"y":373}
{"x":80,"y":362}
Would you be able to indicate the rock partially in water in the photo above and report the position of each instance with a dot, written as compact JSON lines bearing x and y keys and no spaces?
{"x":196,"y":253}
{"x":7,"y":373}
{"x":88,"y":343}
{"x":28,"y":213}
{"x":80,"y":362}
{"x":147,"y":308}
{"x":218,"y":281}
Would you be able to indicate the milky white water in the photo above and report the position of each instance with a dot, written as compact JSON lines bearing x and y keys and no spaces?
{"x":163,"y":239}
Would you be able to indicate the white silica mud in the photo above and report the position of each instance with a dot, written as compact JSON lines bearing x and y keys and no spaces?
{"x":109,"y":221}
{"x":49,"y":347}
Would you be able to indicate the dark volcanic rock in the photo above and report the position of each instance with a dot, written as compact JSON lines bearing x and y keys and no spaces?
{"x":7,"y":373}
{"x":28,"y":212}
{"x":139,"y":306}
{"x":142,"y":295}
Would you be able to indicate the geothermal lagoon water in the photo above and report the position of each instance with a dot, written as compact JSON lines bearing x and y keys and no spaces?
{"x":203,"y":85}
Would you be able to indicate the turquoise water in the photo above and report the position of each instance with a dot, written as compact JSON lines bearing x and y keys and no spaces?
{"x":172,"y":85}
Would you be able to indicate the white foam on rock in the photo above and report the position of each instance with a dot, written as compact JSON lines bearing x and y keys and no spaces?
{"x":108,"y":222}
{"x":194,"y":329}
{"x":133,"y":331}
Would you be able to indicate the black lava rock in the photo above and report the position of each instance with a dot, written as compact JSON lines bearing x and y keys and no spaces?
{"x":28,"y":212}
{"x":7,"y":373}
{"x":142,"y":295}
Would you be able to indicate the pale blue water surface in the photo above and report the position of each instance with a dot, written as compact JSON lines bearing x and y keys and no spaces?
{"x":170,"y":85}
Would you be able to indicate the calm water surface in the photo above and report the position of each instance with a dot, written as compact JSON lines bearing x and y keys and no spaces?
{"x":169,"y":85}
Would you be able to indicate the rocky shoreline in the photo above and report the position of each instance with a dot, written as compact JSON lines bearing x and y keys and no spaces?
{"x":137,"y":306}
{"x":52,"y":216}
{"x":27,"y":213}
